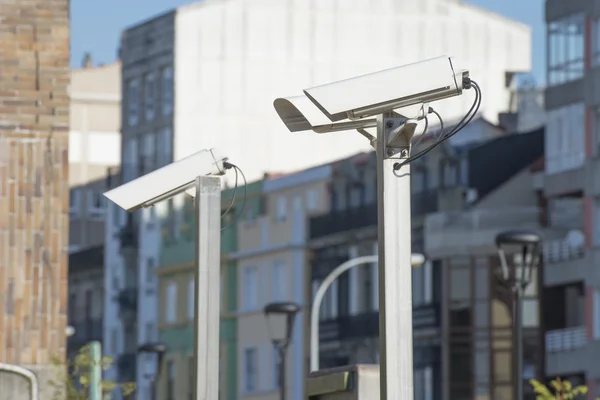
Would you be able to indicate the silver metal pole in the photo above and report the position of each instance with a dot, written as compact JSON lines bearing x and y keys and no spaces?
{"x":206,"y":288}
{"x":395,"y":291}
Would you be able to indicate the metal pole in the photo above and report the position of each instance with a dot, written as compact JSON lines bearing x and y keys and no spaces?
{"x":95,"y":388}
{"x":395,"y":291}
{"x":206,"y":288}
{"x":518,"y":332}
{"x":282,"y":360}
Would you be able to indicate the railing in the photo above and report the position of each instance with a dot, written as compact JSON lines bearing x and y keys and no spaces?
{"x":114,"y":177}
{"x":566,"y":339}
{"x":351,"y":327}
{"x":126,"y":366}
{"x":484,"y":219}
{"x":127,"y":299}
{"x":345,"y":220}
{"x":557,"y":251}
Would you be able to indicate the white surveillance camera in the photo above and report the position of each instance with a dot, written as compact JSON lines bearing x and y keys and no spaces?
{"x":167,"y":181}
{"x":372,"y":94}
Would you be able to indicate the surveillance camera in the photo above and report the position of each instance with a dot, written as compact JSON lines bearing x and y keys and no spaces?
{"x":372,"y":94}
{"x":167,"y":181}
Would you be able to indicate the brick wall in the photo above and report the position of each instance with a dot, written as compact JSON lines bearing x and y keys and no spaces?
{"x":34,"y":201}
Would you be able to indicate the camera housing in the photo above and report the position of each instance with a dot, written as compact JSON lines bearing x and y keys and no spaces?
{"x":167,"y":181}
{"x":372,"y":94}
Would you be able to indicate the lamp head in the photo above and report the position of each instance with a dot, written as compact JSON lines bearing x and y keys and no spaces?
{"x":280,"y":319}
{"x":519,"y":252}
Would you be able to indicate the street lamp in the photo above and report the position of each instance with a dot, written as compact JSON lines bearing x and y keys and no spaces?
{"x":159,"y":349}
{"x":524,"y":247}
{"x":280,"y":320}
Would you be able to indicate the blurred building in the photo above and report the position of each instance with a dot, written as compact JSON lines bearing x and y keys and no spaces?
{"x":94,"y":146}
{"x":86,"y":297}
{"x":476,"y":314}
{"x":34,"y":174}
{"x":571,"y":180}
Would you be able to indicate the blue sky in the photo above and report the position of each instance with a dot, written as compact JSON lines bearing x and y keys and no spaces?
{"x":97,"y":25}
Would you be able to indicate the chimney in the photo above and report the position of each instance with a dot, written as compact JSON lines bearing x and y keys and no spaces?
{"x":87,"y":61}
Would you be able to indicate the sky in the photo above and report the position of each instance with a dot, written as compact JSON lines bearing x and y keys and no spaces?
{"x":96,"y":25}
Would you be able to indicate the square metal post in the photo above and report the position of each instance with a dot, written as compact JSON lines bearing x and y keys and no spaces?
{"x":395,"y":271}
{"x":207,"y":287}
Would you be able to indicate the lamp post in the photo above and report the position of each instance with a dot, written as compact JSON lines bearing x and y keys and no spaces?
{"x":524,"y":247}
{"x":159,"y":349}
{"x":280,"y":320}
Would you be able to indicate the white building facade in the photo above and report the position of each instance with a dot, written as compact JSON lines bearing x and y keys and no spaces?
{"x":205,"y":75}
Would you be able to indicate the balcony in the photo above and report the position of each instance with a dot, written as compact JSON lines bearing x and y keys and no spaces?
{"x":343,"y":221}
{"x":128,"y":235}
{"x":454,"y":232}
{"x":321,"y":267}
{"x":565,"y":350}
{"x":128,"y":301}
{"x":86,"y":331}
{"x":366,"y":325}
{"x":126,"y":367}
{"x":565,"y":261}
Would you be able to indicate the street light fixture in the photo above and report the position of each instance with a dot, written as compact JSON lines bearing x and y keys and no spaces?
{"x":159,"y":349}
{"x":524,"y":247}
{"x":280,"y":320}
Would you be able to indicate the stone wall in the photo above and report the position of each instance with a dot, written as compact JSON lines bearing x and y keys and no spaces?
{"x":34,"y":201}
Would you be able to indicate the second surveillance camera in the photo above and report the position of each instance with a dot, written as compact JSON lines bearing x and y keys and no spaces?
{"x":379,"y":92}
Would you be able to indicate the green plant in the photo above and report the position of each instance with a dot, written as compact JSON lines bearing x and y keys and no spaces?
{"x":558,"y":390}
{"x":73,"y":378}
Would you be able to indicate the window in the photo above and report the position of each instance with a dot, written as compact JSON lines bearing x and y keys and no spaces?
{"x":167,"y":91}
{"x":164,"y":147}
{"x":311,"y":200}
{"x":297,"y":204}
{"x":250,"y":369}
{"x":170,"y":380}
{"x":449,"y":174}
{"x":565,"y":138}
{"x":329,"y":305}
{"x":150,"y":270}
{"x":419,"y":180}
{"x":566,"y":38}
{"x":114,"y":341}
{"x":132,"y":102}
{"x":281,"y":209}
{"x":596,"y":222}
{"x":96,"y":204}
{"x":596,"y":42}
{"x":149,"y":95}
{"x":596,"y":314}
{"x":149,"y":331}
{"x":148,"y":153}
{"x":130,"y":160}
{"x":250,"y":289}
{"x":190,"y":300}
{"x":74,"y":203}
{"x":279,"y":281}
{"x":171,"y":303}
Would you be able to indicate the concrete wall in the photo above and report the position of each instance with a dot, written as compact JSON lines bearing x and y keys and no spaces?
{"x":34,"y":172}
